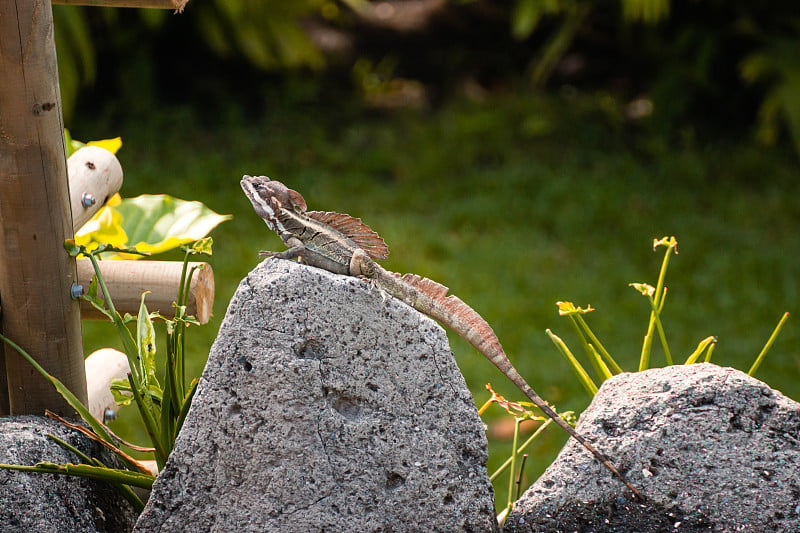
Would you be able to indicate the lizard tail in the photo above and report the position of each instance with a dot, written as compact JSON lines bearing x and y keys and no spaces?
{"x":431,"y":298}
{"x":457,"y":315}
{"x":550,"y":412}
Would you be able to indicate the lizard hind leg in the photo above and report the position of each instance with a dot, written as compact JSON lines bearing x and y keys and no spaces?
{"x":365,"y":269}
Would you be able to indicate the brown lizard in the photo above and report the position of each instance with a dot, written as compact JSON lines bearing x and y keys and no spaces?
{"x":345,"y":245}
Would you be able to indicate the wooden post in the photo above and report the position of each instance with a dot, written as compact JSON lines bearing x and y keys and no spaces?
{"x":35,"y":272}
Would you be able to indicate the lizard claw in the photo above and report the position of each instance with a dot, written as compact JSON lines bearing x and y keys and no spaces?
{"x":374,"y":285}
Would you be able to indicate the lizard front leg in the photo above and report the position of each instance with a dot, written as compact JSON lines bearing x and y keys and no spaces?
{"x":295,"y":249}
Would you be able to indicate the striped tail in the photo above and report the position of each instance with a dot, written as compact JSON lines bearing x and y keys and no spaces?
{"x":430,"y":298}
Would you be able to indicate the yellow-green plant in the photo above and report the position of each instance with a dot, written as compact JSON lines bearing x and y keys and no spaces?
{"x":656,"y":296}
{"x":603,"y":364}
{"x":520,"y":411}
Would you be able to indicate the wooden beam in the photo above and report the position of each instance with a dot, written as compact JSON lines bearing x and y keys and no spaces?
{"x":36,"y":273}
{"x":127,"y":280}
{"x":177,"y":5}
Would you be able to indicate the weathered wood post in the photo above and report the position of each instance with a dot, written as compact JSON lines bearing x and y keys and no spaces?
{"x":36,"y":274}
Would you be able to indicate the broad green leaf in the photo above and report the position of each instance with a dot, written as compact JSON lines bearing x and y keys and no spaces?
{"x":157,"y":223}
{"x":150,"y":223}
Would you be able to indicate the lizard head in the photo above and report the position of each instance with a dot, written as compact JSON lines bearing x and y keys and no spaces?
{"x":268,"y":196}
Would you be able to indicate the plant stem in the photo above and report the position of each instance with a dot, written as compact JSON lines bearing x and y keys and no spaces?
{"x":599,"y":345}
{"x":768,"y":345}
{"x":644,"y":359}
{"x":657,"y":314}
{"x":583,"y":376}
{"x":511,"y":480}
{"x":519,"y":476}
{"x":521,"y":448}
{"x":597,"y":363}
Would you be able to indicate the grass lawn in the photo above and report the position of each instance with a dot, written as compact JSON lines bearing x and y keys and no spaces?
{"x":514,"y":203}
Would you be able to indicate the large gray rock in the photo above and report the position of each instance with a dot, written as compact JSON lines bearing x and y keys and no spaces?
{"x":710,"y":448}
{"x":48,"y":503}
{"x":325,"y":406}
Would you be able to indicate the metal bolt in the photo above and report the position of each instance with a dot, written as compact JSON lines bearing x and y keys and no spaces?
{"x":76,"y":291}
{"x":87,"y":200}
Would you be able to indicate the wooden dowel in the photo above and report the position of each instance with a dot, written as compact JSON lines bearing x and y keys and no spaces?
{"x":177,"y":5}
{"x":127,"y":280}
{"x":36,"y":273}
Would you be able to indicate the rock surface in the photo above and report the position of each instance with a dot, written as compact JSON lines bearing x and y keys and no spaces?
{"x":47,"y":503}
{"x":325,"y":406}
{"x":710,"y":448}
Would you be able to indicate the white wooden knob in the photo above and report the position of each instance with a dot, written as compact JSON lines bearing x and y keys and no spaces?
{"x":94,"y":176}
{"x":102,"y":366}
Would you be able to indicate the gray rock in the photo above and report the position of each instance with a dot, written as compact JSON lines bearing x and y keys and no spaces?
{"x":710,"y":448}
{"x":48,"y":503}
{"x":325,"y":406}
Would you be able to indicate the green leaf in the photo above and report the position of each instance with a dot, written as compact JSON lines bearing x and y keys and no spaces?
{"x":769,"y":344}
{"x":157,"y":223}
{"x":187,"y":403}
{"x":125,"y":490}
{"x":146,"y":343}
{"x":148,"y":224}
{"x":121,"y":390}
{"x":112,"y":145}
{"x":202,"y":246}
{"x":114,"y":475}
{"x":701,"y":347}
{"x":65,"y":393}
{"x":68,"y":142}
{"x":72,"y":248}
{"x":583,"y":376}
{"x":105,"y":227}
{"x":91,"y":297}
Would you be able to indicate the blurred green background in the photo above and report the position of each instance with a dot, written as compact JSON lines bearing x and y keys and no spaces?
{"x":519,"y":152}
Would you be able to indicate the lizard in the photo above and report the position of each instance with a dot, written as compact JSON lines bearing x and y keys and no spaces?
{"x":345,"y":245}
